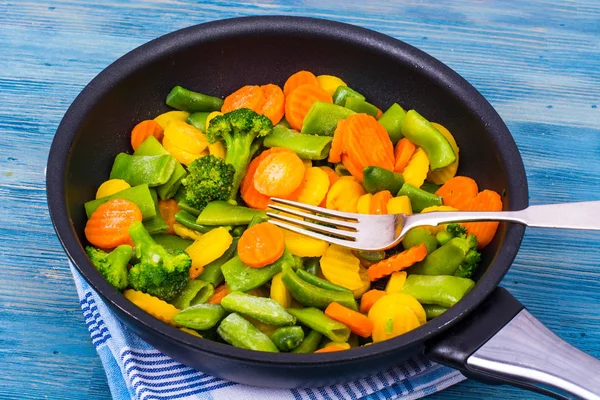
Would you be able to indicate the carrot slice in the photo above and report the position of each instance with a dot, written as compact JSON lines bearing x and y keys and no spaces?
{"x":167,"y":210}
{"x":248,"y":96}
{"x":369,"y":298}
{"x":298,"y":79}
{"x":279,"y":174}
{"x":337,"y":145}
{"x":486,"y":200}
{"x":458,"y":192}
{"x":331,"y":348}
{"x":379,"y":202}
{"x":261,"y":245}
{"x":402,"y":153}
{"x":398,"y":262}
{"x":220,"y":292}
{"x":300,"y":100}
{"x":357,"y":322}
{"x":273,"y":108}
{"x":143,"y":131}
{"x":108,"y":226}
{"x":250,"y":195}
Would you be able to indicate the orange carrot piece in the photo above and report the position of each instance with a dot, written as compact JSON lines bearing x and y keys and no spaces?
{"x":458,"y":192}
{"x":220,"y":292}
{"x":252,"y":197}
{"x":337,"y":145}
{"x":261,"y":245}
{"x":279,"y":174}
{"x":108,"y":226}
{"x":486,"y":200}
{"x":273,"y":108}
{"x":248,"y":96}
{"x":379,"y":114}
{"x":379,"y":202}
{"x":369,"y":298}
{"x":331,"y":348}
{"x":168,"y":209}
{"x":357,"y":322}
{"x":403,"y":152}
{"x":143,"y":131}
{"x":398,"y":262}
{"x":298,"y":79}
{"x":300,"y":100}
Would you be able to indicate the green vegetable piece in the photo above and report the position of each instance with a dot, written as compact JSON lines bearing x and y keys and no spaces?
{"x":238,"y":231}
{"x":298,"y":263}
{"x":242,"y":278}
{"x":392,"y":122}
{"x":442,"y":290}
{"x":209,"y":179}
{"x":443,"y":237}
{"x":140,"y":195}
{"x":184,"y":206}
{"x":287,"y":338}
{"x":308,"y":147}
{"x":419,"y":199}
{"x":194,"y":292}
{"x":172,"y":243}
{"x":443,"y":261}
{"x":344,"y":92}
{"x":341,"y":170}
{"x":189,"y":221}
{"x":418,"y":235}
{"x":201,"y":316}
{"x":321,"y":283}
{"x":264,"y":309}
{"x":432,"y":310}
{"x":212,"y":271}
{"x":198,"y":120}
{"x":257,"y":219}
{"x":318,"y":321}
{"x":152,"y":147}
{"x":312,"y":265}
{"x":361,"y":106}
{"x":370,"y":256}
{"x":139,"y":170}
{"x":155,"y":224}
{"x":239,"y":332}
{"x":423,"y":134}
{"x":314,"y":296}
{"x":224,"y":213}
{"x":322,"y":119}
{"x":310,"y":343}
{"x":377,"y":179}
{"x":430,"y":187}
{"x":186,"y":100}
{"x":112,"y":266}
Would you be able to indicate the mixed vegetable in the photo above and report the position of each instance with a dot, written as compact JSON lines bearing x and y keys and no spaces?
{"x":181,"y":228}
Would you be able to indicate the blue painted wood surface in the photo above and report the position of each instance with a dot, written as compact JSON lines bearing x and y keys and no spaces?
{"x":537,"y":62}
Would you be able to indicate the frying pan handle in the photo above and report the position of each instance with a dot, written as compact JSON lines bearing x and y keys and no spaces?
{"x":501,"y":342}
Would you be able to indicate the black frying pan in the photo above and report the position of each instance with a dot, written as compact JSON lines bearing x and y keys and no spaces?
{"x":219,"y":57}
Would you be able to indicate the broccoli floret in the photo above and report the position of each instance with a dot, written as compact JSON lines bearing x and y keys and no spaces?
{"x":209,"y":178}
{"x":456,"y":230}
{"x":113,"y":265}
{"x":239,"y":129}
{"x":472,"y":258}
{"x":158,"y":272}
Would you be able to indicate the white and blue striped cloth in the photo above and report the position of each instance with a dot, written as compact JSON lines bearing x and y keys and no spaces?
{"x":136,"y":370}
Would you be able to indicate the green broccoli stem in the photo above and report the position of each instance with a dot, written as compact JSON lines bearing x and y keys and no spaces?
{"x":141,"y":238}
{"x":238,"y":155}
{"x":120,"y":256}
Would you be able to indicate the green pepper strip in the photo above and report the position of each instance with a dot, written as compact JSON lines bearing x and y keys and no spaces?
{"x":288,"y":337}
{"x":201,"y":316}
{"x":239,"y":332}
{"x":194,"y":292}
{"x":442,"y":290}
{"x":264,"y":309}
{"x":314,"y":296}
{"x":186,"y":100}
{"x":317,"y":320}
{"x":321,"y":283}
{"x":310,"y":343}
{"x":212,"y":271}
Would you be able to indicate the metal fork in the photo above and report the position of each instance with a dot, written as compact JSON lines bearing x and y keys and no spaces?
{"x":379,"y":232}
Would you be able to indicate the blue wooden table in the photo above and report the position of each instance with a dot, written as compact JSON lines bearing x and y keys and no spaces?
{"x":537,"y":63}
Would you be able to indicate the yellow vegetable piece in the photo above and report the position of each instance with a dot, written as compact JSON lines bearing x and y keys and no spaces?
{"x":165,"y":119}
{"x":111,"y":186}
{"x":399,"y":205}
{"x":217,"y":149}
{"x":211,"y":116}
{"x":313,"y":188}
{"x":152,"y":305}
{"x":341,"y":267}
{"x":330,"y":83}
{"x":186,"y":233}
{"x":184,"y":157}
{"x":403,"y":299}
{"x":440,"y":227}
{"x":416,"y":170}
{"x":364,"y":277}
{"x":344,"y":345}
{"x":209,"y":247}
{"x":443,"y":175}
{"x":396,"y":282}
{"x":344,"y":194}
{"x":261,"y":326}
{"x":307,"y":163}
{"x":389,"y":322}
{"x":364,"y":203}
{"x":191,"y":332}
{"x":279,"y":292}
{"x":304,"y":246}
{"x":186,"y":137}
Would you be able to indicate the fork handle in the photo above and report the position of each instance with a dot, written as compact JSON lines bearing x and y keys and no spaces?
{"x":582,"y":215}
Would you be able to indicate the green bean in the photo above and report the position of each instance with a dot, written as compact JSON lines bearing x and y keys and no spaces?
{"x":239,"y":332}
{"x":200,"y":316}
{"x":212,"y":271}
{"x":370,"y":256}
{"x":310,"y":343}
{"x":392,"y":122}
{"x":243,"y":278}
{"x":194,"y":292}
{"x":419,"y":199}
{"x":317,"y":320}
{"x":224,"y":213}
{"x":186,"y":100}
{"x":189,"y":221}
{"x":312,"y":265}
{"x":172,"y":243}
{"x":322,"y":119}
{"x":377,"y":179}
{"x":155,"y":224}
{"x":443,"y":261}
{"x":432,"y":310}
{"x":321,"y":283}
{"x":361,"y":106}
{"x":308,"y":147}
{"x":140,"y":195}
{"x":418,"y":235}
{"x":264,"y":309}
{"x":198,"y":120}
{"x":442,"y":290}
{"x":423,"y":134}
{"x":344,"y":92}
{"x":288,"y":337}
{"x":430,"y":187}
{"x":139,"y":170}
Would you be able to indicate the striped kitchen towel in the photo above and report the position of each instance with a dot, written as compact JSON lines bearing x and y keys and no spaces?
{"x":136,"y":370}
